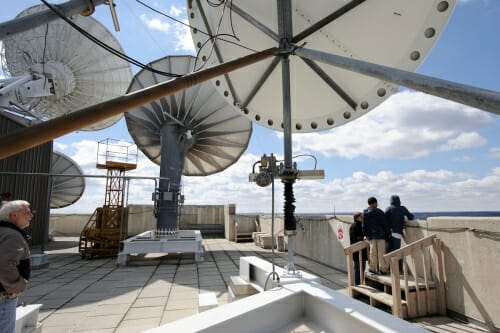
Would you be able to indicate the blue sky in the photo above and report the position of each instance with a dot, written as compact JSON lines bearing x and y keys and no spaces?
{"x":437,"y":155}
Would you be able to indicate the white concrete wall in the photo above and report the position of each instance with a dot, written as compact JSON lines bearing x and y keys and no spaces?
{"x":472,"y":264}
{"x":67,"y":224}
{"x":141,"y":218}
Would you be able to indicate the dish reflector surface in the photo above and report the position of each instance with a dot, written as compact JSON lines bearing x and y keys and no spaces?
{"x":220,"y":134}
{"x":395,"y":33}
{"x":66,"y":190}
{"x":84,"y":74}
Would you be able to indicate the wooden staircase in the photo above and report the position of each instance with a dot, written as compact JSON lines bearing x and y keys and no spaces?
{"x":417,"y":291}
{"x":103,"y":232}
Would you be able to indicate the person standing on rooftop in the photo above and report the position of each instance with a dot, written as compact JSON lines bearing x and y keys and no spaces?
{"x":376,"y":230}
{"x":396,"y":215}
{"x":15,"y":270}
{"x":356,"y":235}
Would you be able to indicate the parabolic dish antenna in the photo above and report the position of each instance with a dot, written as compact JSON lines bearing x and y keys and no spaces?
{"x":219,"y":135}
{"x":394,"y":33}
{"x":82,"y":73}
{"x":67,"y":186}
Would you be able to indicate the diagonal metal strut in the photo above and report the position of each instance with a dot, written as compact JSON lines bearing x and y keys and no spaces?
{"x":483,"y":99}
{"x":327,"y":20}
{"x":332,"y":84}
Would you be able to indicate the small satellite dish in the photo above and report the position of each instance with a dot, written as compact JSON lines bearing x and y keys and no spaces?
{"x":218,"y":134}
{"x":65,"y":71}
{"x":67,"y":187}
{"x":394,"y":33}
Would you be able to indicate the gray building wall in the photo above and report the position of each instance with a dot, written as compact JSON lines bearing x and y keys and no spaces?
{"x":34,"y":189}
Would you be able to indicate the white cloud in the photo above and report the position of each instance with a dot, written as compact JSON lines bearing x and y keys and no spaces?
{"x":175,"y":11}
{"x":494,"y":153}
{"x":59,"y":146}
{"x":407,"y":126}
{"x":439,"y":175}
{"x":155,"y":23}
{"x":464,"y":159}
{"x":464,"y":141}
{"x":420,"y":190}
{"x":182,"y":35}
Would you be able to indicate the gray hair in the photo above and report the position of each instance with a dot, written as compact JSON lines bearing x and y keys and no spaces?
{"x":9,"y":207}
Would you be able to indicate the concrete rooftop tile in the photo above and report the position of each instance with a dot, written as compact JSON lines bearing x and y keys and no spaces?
{"x":98,"y":296}
{"x":150,"y":301}
{"x":144,"y":312}
{"x":99,"y":322}
{"x":136,"y":326}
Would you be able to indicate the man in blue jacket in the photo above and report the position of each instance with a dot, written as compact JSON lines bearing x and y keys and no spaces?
{"x":396,"y":214}
{"x":376,"y":230}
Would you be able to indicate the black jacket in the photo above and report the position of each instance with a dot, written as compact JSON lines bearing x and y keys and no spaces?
{"x":356,"y":235}
{"x":396,"y":213}
{"x":375,"y":224}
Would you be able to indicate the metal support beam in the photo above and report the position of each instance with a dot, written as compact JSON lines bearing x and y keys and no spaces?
{"x":483,"y":99}
{"x":250,"y":19}
{"x":288,"y":173}
{"x":72,"y":7}
{"x":18,"y":141}
{"x":327,"y":20}
{"x":332,"y":84}
{"x":260,"y":83}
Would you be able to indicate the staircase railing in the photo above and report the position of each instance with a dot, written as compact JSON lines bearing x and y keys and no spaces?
{"x":83,"y":243}
{"x":419,"y":290}
{"x":427,"y":274}
{"x":350,"y":252}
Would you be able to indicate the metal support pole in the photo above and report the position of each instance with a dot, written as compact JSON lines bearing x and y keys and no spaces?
{"x":483,"y":99}
{"x":45,"y":16}
{"x":173,"y":153}
{"x":288,"y":174}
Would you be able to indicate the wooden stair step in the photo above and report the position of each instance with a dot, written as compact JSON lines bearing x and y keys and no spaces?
{"x":375,"y":294}
{"x":387,"y":280}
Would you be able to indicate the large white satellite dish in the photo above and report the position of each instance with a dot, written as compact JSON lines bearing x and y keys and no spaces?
{"x":219,"y":134}
{"x":194,"y":132}
{"x":394,"y":33}
{"x":68,"y":183}
{"x":72,"y":69}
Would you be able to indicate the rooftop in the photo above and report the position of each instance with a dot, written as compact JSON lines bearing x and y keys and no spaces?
{"x":99,"y":296}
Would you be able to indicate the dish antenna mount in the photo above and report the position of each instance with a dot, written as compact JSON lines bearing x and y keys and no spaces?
{"x":55,"y":70}
{"x":193,"y":132}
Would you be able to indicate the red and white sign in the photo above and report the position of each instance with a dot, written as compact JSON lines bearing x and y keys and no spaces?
{"x":340,"y":233}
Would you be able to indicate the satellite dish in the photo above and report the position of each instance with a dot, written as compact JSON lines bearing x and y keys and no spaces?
{"x":219,"y":134}
{"x":394,"y":33}
{"x":194,"y":132}
{"x":67,"y":186}
{"x":67,"y":71}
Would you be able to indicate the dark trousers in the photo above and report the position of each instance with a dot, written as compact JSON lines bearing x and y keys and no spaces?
{"x":357,"y":279}
{"x":395,"y":244}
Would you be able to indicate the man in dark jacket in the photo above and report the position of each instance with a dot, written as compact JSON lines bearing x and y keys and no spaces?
{"x":356,"y":235}
{"x":15,"y":216}
{"x":376,"y":230}
{"x":396,"y":214}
